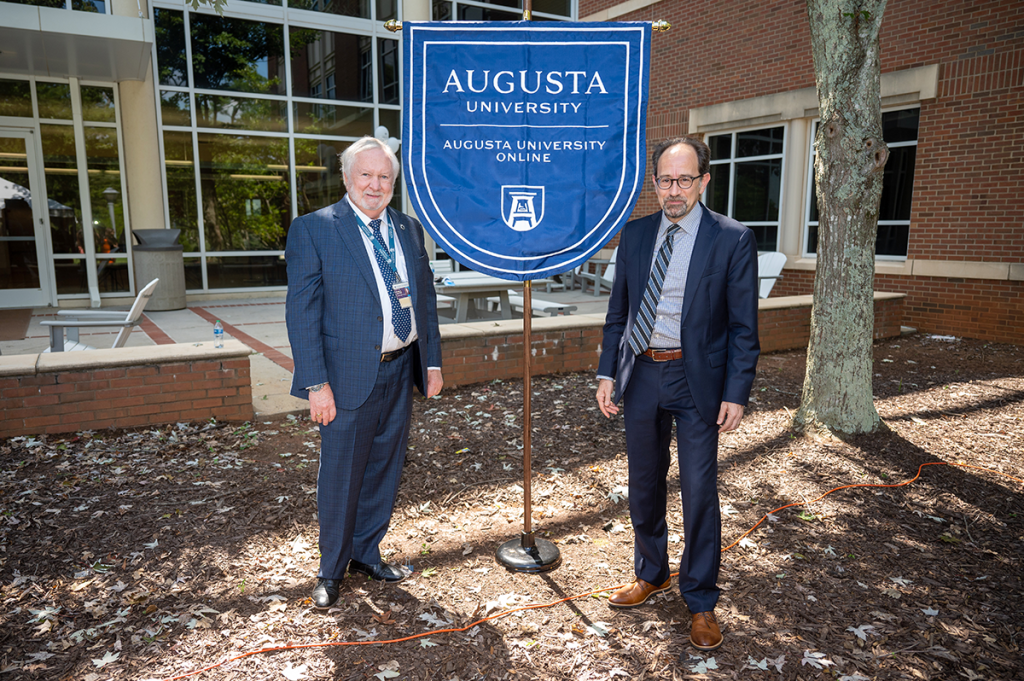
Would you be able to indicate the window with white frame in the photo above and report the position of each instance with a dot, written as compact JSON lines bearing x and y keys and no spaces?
{"x":899,"y":130}
{"x":746,"y":180}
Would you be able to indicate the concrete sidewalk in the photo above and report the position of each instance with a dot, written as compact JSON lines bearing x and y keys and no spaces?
{"x":257,"y":322}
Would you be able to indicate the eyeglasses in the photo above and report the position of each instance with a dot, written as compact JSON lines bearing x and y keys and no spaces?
{"x":684,"y":181}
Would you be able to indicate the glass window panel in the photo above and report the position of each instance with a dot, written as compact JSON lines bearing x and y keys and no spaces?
{"x":331,"y":119}
{"x":19,"y":264}
{"x":898,"y":184}
{"x":767,"y":237}
{"x":59,"y":4}
{"x":900,"y":126}
{"x":387,"y":70}
{"x":717,"y":192}
{"x":721,"y":147}
{"x":387,"y":9}
{"x":318,"y":174}
{"x":814,"y":197}
{"x":175,"y":108}
{"x":506,"y":3}
{"x":322,"y":65}
{"x":470,"y":13}
{"x":758,"y":186}
{"x":892,"y":240}
{"x":105,"y":190}
{"x":181,"y":188}
{"x":71,"y":277}
{"x":171,"y":60}
{"x":95,"y":6}
{"x":276,"y":3}
{"x":759,"y":142}
{"x":442,"y":10}
{"x":246,"y":196}
{"x":237,"y":55}
{"x":54,"y":100}
{"x":246,"y":271}
{"x":98,"y":104}
{"x":241,"y":113}
{"x":560,"y":7}
{"x":193,"y":274}
{"x":392,"y":120}
{"x":112,"y":275}
{"x":61,"y":171}
{"x":348,"y":8}
{"x":812,"y":239}
{"x":16,"y":98}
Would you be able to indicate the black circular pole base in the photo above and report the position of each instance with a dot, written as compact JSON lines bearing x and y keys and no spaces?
{"x":529,"y":554}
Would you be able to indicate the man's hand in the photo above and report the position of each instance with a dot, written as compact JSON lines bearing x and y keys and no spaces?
{"x":604,"y":398}
{"x":321,"y":406}
{"x":434,"y":382}
{"x":729,"y":416}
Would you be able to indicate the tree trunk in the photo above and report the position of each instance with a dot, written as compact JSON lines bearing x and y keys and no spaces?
{"x":848,"y":172}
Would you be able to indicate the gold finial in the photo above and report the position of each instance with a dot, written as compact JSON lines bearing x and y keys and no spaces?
{"x":660,"y":26}
{"x":527,"y":15}
{"x":393,"y":26}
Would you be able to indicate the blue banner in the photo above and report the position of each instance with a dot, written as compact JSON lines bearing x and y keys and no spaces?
{"x":524,"y":143}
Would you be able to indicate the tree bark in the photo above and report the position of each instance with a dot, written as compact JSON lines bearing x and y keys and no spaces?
{"x":851,"y":156}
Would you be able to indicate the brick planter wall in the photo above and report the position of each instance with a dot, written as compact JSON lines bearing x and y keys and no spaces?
{"x":126,"y":387}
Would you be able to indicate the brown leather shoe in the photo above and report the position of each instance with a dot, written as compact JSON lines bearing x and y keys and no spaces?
{"x":636,"y":593}
{"x":705,"y":634}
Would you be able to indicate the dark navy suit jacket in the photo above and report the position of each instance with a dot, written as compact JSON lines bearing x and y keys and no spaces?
{"x":718,"y":330}
{"x":333,"y":312}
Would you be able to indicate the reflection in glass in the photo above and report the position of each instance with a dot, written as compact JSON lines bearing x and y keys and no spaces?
{"x":442,"y":10}
{"x":241,"y":113}
{"x":105,"y":190}
{"x":759,"y":142}
{"x":61,"y":170}
{"x":562,"y":8}
{"x":94,"y":6}
{"x":70,"y":275}
{"x":15,"y":98}
{"x":324,"y":65}
{"x":717,"y":192}
{"x":276,"y":3}
{"x":171,"y":60}
{"x":758,"y":188}
{"x":246,"y":271}
{"x":330,"y":119}
{"x":387,"y":70}
{"x":98,"y":104}
{"x":181,"y":188}
{"x":193,"y":274}
{"x":19,"y":263}
{"x":175,"y":108}
{"x":317,"y":174}
{"x":471,"y":13}
{"x":238,"y":55}
{"x":900,"y":126}
{"x":59,"y":4}
{"x":387,"y":9}
{"x":392,"y":120}
{"x":246,"y":196}
{"x":348,"y":8}
{"x":721,"y":147}
{"x":898,"y":184}
{"x":112,"y":275}
{"x":54,"y":100}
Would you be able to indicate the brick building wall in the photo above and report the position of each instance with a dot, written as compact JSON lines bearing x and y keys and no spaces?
{"x":122,"y":388}
{"x":970,"y":155}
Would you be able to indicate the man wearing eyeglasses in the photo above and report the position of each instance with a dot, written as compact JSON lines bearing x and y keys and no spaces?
{"x":680,"y":343}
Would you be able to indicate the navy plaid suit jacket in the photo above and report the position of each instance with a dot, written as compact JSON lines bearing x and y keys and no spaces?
{"x":333,"y":312}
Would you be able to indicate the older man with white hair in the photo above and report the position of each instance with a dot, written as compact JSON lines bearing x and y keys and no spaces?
{"x":362,"y":323}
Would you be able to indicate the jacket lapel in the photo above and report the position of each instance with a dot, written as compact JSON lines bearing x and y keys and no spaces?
{"x":645,"y":256}
{"x":348,"y":231}
{"x":707,"y":234}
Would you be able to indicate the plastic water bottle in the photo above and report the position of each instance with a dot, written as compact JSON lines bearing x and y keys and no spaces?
{"x":218,"y":335}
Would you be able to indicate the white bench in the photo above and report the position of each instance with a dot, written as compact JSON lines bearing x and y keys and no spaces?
{"x":537,"y":305}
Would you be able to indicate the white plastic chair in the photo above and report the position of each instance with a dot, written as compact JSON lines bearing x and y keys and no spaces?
{"x":769,"y":269}
{"x":74,"y":320}
{"x":602,"y":278}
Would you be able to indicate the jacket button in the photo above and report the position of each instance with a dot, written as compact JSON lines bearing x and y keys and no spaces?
{"x":380,"y":319}
{"x":376,"y":347}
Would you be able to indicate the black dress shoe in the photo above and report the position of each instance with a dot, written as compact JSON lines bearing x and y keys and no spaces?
{"x":325,"y":594}
{"x":382,"y":572}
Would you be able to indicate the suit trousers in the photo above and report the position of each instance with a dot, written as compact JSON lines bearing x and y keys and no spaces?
{"x":657,"y":394}
{"x":362,"y":452}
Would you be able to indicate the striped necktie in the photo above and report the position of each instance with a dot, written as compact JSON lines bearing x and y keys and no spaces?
{"x":400,"y":316}
{"x":643,"y":327}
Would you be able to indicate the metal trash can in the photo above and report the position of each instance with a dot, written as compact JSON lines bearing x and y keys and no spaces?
{"x":159,"y":255}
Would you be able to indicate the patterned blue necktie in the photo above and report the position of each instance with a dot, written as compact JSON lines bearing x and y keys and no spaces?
{"x":400,"y":316}
{"x":643,"y":327}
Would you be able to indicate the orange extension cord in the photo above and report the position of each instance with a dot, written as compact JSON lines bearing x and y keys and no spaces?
{"x":536,"y":606}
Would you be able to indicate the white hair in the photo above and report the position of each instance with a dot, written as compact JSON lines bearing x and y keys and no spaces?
{"x":366,"y":143}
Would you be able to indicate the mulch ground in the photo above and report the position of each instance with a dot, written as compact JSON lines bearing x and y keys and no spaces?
{"x":152,"y":554}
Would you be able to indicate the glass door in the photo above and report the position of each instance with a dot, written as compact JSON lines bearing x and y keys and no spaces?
{"x":23,"y":277}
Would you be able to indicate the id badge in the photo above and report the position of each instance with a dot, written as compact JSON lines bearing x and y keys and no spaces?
{"x":401,"y":290}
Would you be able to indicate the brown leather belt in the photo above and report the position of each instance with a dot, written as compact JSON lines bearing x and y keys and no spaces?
{"x":393,"y":355}
{"x":664,"y":355}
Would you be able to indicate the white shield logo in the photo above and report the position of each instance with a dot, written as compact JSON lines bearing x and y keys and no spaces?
{"x":519,"y":206}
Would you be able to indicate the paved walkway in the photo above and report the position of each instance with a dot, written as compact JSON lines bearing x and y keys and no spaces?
{"x":257,"y":322}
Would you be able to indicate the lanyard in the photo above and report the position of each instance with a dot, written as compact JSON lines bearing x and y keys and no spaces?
{"x":389,"y":255}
